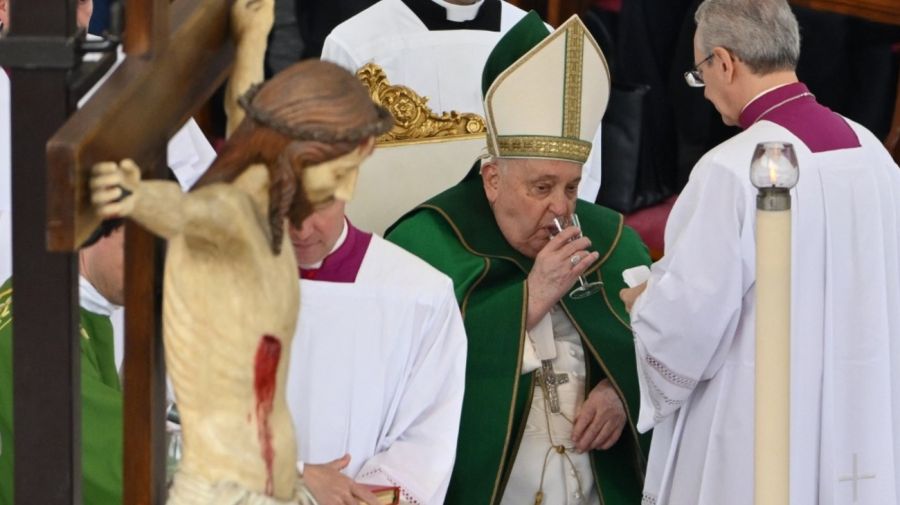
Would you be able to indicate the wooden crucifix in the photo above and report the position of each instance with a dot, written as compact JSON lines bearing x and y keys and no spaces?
{"x":175,"y":60}
{"x":174,"y":63}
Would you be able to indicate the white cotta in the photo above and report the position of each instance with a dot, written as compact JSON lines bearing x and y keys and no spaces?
{"x":378,"y":371}
{"x":694,"y":330}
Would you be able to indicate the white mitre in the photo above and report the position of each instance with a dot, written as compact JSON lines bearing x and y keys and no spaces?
{"x":546,"y":92}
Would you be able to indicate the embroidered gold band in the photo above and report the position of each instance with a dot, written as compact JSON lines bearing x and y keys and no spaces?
{"x":572,"y":98}
{"x":537,"y":146}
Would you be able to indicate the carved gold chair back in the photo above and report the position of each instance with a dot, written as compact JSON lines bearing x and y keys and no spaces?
{"x":424,"y":154}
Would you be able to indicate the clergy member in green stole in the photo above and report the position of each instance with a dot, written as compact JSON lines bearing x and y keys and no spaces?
{"x":100,"y":291}
{"x":551,"y":393}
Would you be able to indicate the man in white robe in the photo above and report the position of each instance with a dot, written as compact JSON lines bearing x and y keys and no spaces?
{"x":694,"y":323}
{"x":437,"y":48}
{"x":378,"y":365}
{"x":189,"y":153}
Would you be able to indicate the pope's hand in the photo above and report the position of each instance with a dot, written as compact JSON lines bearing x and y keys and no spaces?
{"x":113,"y":186}
{"x":600,"y":419}
{"x":330,"y":487}
{"x":555,"y":270}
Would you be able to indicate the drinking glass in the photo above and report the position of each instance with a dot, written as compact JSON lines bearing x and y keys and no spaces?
{"x":584,"y":288}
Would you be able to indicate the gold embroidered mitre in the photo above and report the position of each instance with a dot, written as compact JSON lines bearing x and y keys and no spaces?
{"x":545,"y":93}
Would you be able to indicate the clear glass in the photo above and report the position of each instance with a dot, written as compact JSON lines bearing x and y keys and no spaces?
{"x":774,"y":165}
{"x":584,"y":288}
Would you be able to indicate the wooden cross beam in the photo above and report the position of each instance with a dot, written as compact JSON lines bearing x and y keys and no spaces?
{"x":174,"y":64}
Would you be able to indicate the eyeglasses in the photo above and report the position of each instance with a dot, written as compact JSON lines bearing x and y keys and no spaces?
{"x":694,"y":76}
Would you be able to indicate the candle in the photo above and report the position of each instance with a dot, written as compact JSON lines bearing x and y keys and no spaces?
{"x":773,"y":171}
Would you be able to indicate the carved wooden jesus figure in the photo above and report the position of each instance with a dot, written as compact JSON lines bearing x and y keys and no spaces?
{"x":230,"y":288}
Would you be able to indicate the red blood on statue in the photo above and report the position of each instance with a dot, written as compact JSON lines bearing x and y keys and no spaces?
{"x":268,"y":355}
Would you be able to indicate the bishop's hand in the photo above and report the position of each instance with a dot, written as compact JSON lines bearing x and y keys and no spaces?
{"x":113,"y":186}
{"x":630,"y":295}
{"x":330,"y":487}
{"x":555,"y":270}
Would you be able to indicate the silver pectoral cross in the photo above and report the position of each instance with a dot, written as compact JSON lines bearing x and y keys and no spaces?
{"x":549,"y":380}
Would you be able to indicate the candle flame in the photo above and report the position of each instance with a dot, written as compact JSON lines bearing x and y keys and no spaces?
{"x":773,"y":172}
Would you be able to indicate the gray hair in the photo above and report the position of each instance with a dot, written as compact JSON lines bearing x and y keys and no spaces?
{"x":501,"y":163}
{"x":761,"y":33}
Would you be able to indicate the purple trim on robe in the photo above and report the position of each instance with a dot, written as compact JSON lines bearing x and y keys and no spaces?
{"x":342,"y":265}
{"x":817,"y":126}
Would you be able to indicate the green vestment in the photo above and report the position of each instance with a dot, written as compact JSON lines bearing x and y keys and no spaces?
{"x":101,"y":408}
{"x":457,"y":234}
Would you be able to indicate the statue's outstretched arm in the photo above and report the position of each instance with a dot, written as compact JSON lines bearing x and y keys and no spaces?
{"x":118,"y":191}
{"x":160,"y":206}
{"x":251,"y":22}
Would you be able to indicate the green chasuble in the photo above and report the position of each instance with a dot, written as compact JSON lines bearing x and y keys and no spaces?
{"x":101,"y":408}
{"x":457,"y":234}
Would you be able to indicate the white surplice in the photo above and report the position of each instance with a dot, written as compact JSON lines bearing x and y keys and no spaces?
{"x":443,"y":65}
{"x":694,"y":330}
{"x":378,"y":371}
{"x":189,"y":154}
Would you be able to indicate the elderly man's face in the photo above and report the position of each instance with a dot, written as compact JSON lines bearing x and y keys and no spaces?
{"x":718,"y":76}
{"x":526,"y":194}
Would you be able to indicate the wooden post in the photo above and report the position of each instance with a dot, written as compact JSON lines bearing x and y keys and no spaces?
{"x":46,"y":357}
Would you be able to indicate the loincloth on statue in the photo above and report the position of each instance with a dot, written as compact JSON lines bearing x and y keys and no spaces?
{"x":192,"y":490}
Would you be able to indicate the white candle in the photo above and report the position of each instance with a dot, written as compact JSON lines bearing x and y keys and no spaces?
{"x":774,"y":172}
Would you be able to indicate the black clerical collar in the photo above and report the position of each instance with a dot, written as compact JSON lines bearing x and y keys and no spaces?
{"x":435,"y":16}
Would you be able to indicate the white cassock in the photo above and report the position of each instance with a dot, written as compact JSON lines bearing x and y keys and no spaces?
{"x":563,"y":478}
{"x":189,"y":155}
{"x":378,"y":371}
{"x":444,"y":65}
{"x":694,"y":330}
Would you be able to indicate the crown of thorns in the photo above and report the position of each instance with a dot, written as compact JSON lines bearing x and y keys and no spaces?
{"x":383,"y":123}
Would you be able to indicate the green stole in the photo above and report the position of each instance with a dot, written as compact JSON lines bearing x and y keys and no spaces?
{"x":101,"y":408}
{"x":456,"y":232}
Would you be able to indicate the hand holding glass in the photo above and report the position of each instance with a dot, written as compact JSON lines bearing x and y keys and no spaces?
{"x":585,"y":288}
